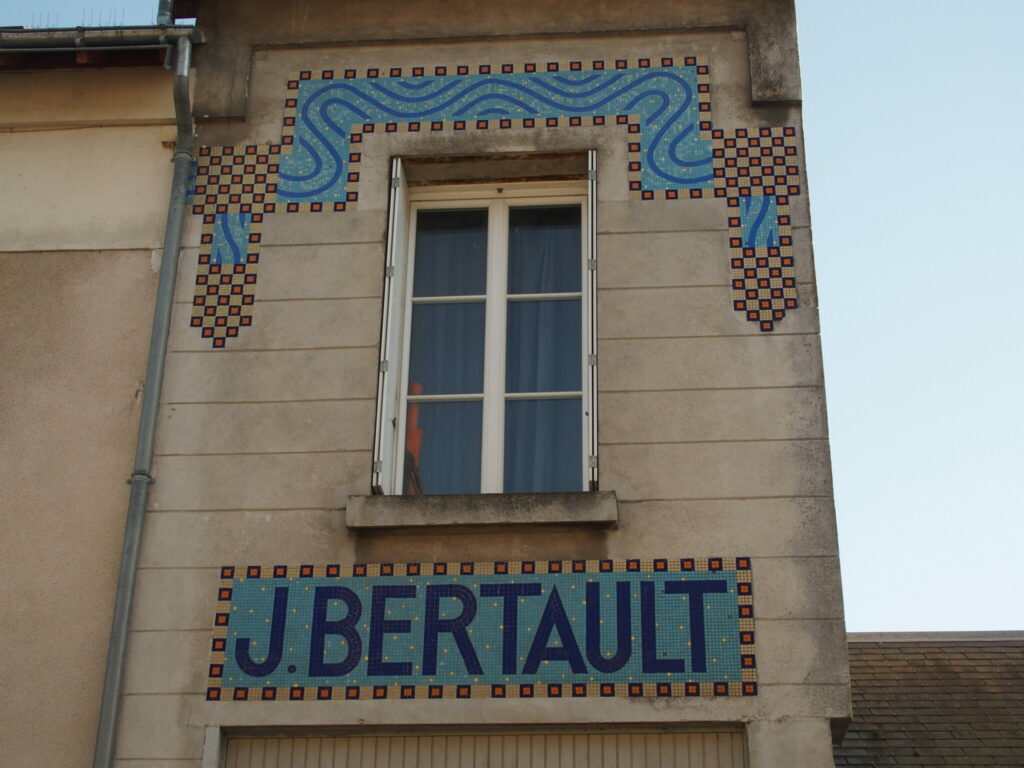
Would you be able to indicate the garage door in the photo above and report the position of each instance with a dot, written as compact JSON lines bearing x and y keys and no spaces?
{"x":536,"y":750}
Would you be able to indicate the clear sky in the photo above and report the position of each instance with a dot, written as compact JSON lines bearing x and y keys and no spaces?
{"x":914,"y":119}
{"x":913,"y":111}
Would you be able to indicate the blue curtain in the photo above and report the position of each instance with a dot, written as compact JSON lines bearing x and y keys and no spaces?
{"x":543,"y":445}
{"x":451,"y":253}
{"x":544,"y":249}
{"x":543,"y":436}
{"x":447,"y":353}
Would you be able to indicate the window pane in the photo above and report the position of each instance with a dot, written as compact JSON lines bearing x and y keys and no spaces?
{"x":544,"y":346}
{"x":447,"y":352}
{"x":543,"y":445}
{"x":451,"y":253}
{"x":544,"y":249}
{"x":442,"y":447}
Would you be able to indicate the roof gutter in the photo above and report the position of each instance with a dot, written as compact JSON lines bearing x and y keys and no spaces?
{"x":90,"y":38}
{"x":107,"y":47}
{"x":141,"y":478}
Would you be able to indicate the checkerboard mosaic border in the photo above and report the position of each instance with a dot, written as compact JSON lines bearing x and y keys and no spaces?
{"x":249,"y":182}
{"x":741,"y":566}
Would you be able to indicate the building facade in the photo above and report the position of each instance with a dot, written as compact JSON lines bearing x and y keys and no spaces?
{"x":80,"y":246}
{"x":491,"y":429}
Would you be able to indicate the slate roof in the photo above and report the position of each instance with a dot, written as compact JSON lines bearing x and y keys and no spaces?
{"x":935,"y":699}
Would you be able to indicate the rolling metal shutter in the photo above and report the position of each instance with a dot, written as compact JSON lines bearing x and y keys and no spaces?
{"x":507,"y":750}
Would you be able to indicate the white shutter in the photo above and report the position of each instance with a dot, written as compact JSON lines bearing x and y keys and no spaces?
{"x":511,"y":749}
{"x":385,"y":437}
{"x":591,"y":321}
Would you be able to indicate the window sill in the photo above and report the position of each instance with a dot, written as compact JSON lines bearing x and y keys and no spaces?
{"x":591,"y":509}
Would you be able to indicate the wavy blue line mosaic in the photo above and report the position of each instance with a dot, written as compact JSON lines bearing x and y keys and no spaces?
{"x":335,"y":113}
{"x":561,"y":628}
{"x":662,"y":107}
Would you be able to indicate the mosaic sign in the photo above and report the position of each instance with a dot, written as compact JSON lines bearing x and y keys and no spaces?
{"x":446,"y":630}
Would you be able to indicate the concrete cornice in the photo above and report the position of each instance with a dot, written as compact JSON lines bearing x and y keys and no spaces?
{"x":223,"y":89}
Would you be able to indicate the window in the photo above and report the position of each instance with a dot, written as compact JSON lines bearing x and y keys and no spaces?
{"x":487,"y":380}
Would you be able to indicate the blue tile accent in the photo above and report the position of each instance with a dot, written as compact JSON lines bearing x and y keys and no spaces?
{"x":230,"y":238}
{"x":661,"y":106}
{"x":332,"y":114}
{"x":760,"y":222}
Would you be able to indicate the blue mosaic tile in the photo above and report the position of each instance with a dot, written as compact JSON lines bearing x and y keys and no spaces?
{"x":332,"y":115}
{"x":669,"y":627}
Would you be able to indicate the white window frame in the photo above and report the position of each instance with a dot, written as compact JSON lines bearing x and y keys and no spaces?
{"x":497,"y":198}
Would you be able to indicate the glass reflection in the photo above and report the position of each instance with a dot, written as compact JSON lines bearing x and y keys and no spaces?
{"x":447,"y":349}
{"x":442,"y":447}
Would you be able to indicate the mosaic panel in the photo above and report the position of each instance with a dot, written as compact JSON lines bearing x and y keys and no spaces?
{"x":662,"y":108}
{"x":492,"y":630}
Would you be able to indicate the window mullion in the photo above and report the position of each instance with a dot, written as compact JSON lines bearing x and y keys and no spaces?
{"x":493,"y":443}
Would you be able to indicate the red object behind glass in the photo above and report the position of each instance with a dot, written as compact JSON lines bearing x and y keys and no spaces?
{"x":413,"y":443}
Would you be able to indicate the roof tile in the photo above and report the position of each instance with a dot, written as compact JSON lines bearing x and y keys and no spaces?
{"x":932,"y":701}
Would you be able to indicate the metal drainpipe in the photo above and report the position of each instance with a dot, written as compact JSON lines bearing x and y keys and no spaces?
{"x":165,"y":13}
{"x":141,"y":478}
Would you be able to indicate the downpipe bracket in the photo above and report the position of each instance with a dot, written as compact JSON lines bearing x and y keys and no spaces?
{"x":140,"y":477}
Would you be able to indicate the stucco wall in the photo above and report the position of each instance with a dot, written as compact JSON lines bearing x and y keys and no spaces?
{"x":712,"y":433}
{"x":83,"y":201}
